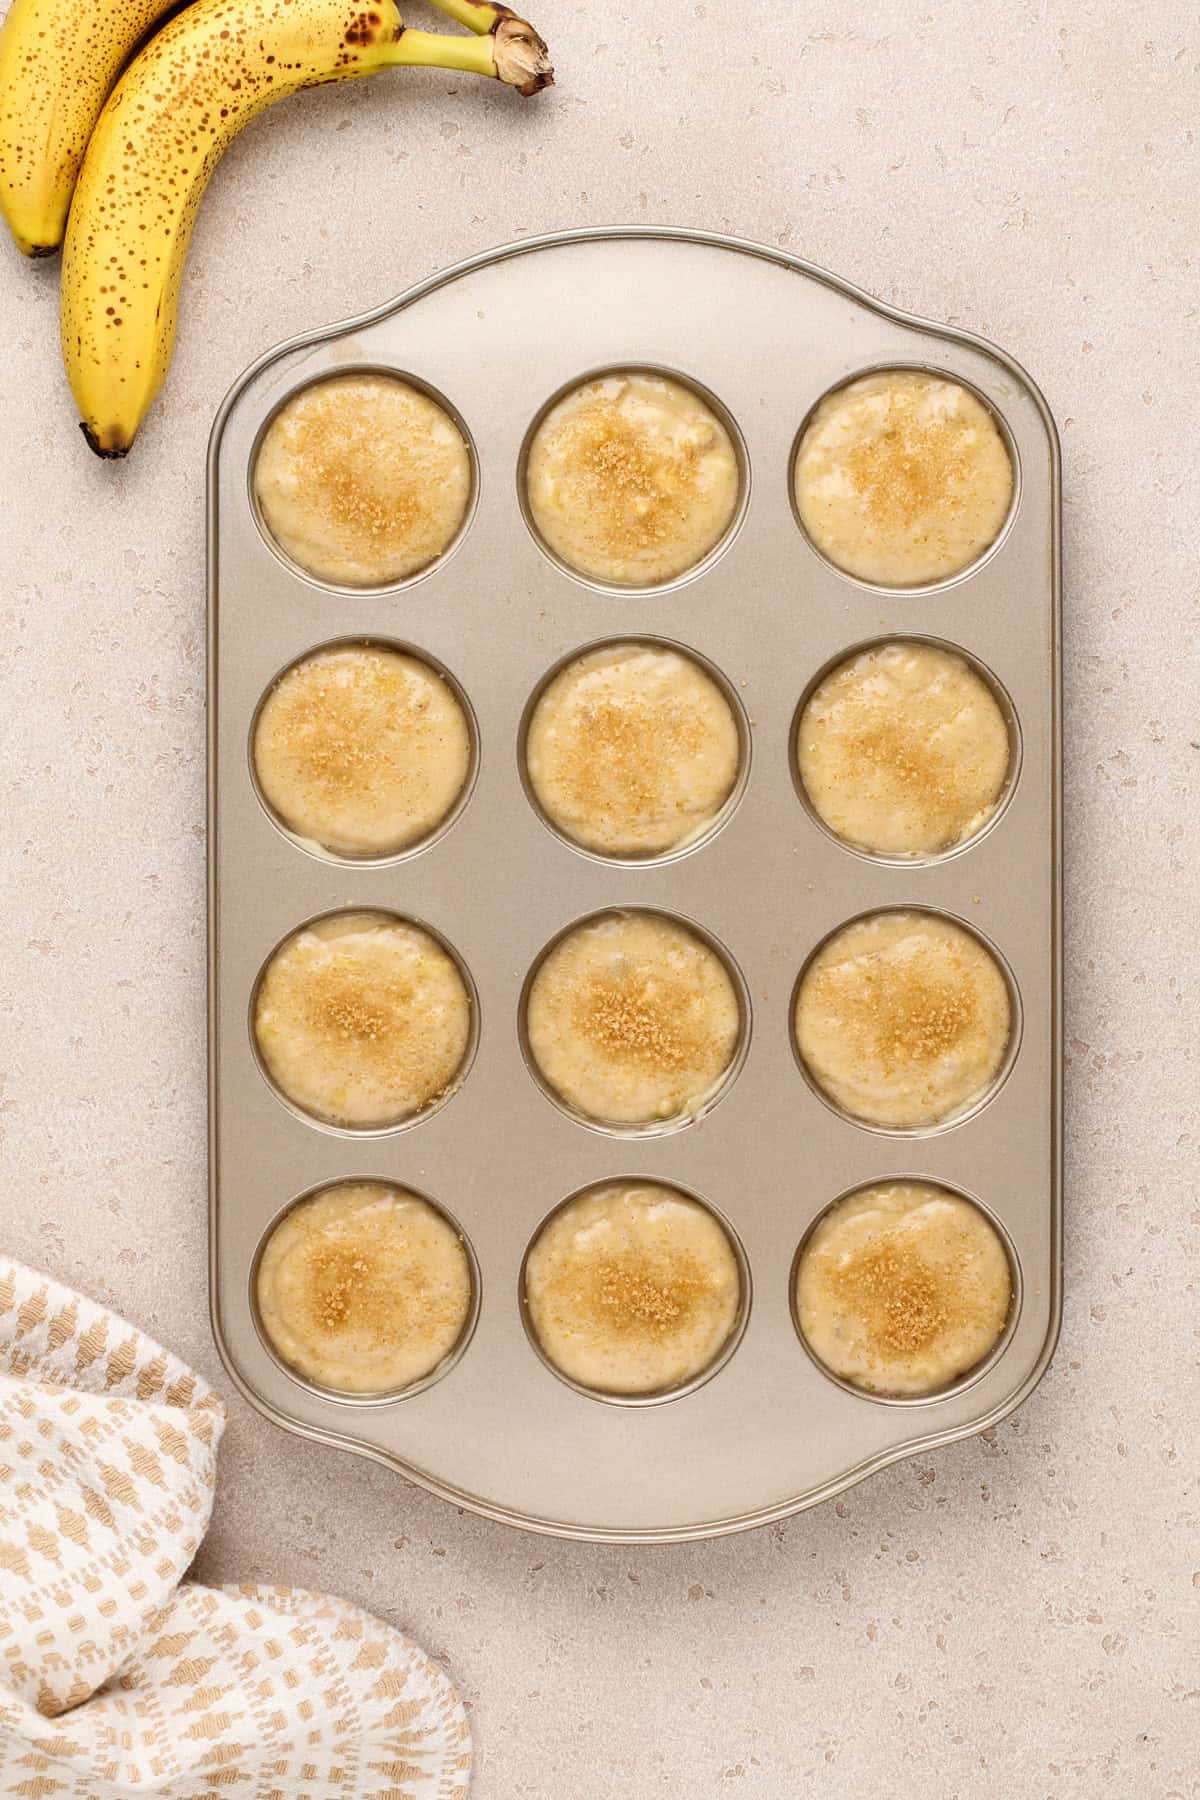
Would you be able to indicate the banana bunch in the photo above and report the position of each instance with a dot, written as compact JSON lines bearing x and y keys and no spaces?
{"x":117,"y":177}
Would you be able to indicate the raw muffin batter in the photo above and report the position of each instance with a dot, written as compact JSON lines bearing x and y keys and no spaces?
{"x":903,"y":1019}
{"x":632,"y":750}
{"x":902,"y":478}
{"x":902,"y":1288}
{"x":362,"y":479}
{"x":903,"y":750}
{"x":363,"y":1288}
{"x":361,"y":749}
{"x":631,"y":478}
{"x":632,"y":1288}
{"x":362,"y":1019}
{"x":632,"y":1018}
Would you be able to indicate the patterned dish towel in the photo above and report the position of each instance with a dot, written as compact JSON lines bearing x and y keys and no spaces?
{"x":117,"y":1677}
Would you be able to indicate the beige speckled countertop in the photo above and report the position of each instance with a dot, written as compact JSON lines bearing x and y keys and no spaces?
{"x":1017,"y":1615}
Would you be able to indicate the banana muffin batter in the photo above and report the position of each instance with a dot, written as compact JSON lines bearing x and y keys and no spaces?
{"x":903,"y":478}
{"x":632,"y":750}
{"x":903,"y":1019}
{"x":362,"y":479}
{"x":632,"y":478}
{"x":632,"y":1018}
{"x":362,"y":1019}
{"x":903,"y":750}
{"x":361,"y":749}
{"x":363,"y":1288}
{"x":902,"y":1288}
{"x":632,"y":1288}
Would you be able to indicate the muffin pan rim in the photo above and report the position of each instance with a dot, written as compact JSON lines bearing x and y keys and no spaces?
{"x":732,"y":1518}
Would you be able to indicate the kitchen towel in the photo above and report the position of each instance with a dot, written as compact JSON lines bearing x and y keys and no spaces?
{"x":118,"y":1677}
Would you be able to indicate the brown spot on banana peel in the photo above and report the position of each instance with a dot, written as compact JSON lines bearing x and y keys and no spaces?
{"x":363,"y":28}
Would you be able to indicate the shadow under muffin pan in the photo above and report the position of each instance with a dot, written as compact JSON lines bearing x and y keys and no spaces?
{"x":769,"y":1432}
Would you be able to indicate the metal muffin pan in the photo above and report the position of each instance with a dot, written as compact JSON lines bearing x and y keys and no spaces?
{"x":497,"y":337}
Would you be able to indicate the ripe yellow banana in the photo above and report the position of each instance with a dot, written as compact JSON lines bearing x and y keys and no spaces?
{"x":179,"y":105}
{"x":58,"y":61}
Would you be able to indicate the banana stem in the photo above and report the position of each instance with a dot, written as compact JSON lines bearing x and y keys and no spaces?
{"x":476,"y":15}
{"x":434,"y":50}
{"x":509,"y":49}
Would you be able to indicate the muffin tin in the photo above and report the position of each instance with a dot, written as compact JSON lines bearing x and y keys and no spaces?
{"x":496,"y":339}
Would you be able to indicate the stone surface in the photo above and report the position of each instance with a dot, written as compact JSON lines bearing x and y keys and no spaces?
{"x":1017,"y":1614}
